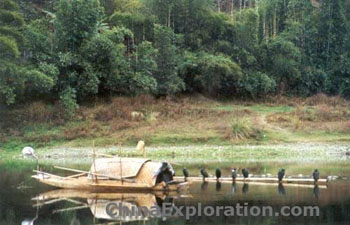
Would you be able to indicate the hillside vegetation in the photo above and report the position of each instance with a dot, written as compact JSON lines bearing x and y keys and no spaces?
{"x":184,"y":121}
{"x":66,"y":52}
{"x":173,"y":71}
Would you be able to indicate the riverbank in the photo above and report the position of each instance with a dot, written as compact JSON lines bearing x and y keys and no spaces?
{"x":194,"y":121}
{"x":303,"y":158}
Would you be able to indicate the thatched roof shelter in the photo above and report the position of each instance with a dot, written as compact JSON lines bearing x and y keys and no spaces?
{"x":134,"y":170}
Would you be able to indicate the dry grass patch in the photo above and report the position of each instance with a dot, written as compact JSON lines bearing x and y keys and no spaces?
{"x":83,"y":130}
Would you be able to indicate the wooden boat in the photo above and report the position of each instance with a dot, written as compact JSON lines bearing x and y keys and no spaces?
{"x":117,"y":174}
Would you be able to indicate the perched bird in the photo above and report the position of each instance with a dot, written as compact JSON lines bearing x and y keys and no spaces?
{"x":217,"y":174}
{"x":316,"y":175}
{"x":281,"y":174}
{"x":204,"y":174}
{"x":185,"y":173}
{"x":234,"y":174}
{"x":28,"y":152}
{"x":245,"y":173}
{"x":164,"y":166}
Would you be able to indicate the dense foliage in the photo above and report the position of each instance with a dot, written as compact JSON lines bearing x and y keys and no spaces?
{"x":71,"y":50}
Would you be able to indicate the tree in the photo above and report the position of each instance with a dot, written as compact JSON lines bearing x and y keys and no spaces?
{"x":167,"y":60}
{"x":282,"y":60}
{"x":76,"y":21}
{"x":215,"y":75}
{"x":333,"y":30}
{"x":15,"y":78}
{"x":219,"y":75}
{"x":256,"y":84}
{"x":144,"y":66}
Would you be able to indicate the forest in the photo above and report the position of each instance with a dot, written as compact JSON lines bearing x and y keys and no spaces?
{"x":69,"y":51}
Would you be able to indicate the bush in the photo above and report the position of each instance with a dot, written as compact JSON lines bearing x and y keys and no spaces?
{"x":244,"y":128}
{"x":257,"y":84}
{"x":68,"y":102}
{"x":312,"y":81}
{"x":218,"y":74}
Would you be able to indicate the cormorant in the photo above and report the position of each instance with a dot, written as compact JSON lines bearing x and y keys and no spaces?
{"x":316,"y":175}
{"x":280,"y":174}
{"x":245,"y":173}
{"x":185,"y":173}
{"x":217,"y":174}
{"x":164,"y":166}
{"x":234,"y":174}
{"x":204,"y":174}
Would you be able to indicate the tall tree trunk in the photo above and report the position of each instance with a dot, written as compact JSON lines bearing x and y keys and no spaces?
{"x":329,"y":28}
{"x":274,"y":24}
{"x":143,"y":32}
{"x":258,"y":20}
{"x":168,"y":24}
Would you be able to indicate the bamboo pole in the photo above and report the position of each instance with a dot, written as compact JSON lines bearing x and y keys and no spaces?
{"x":70,"y":209}
{"x":120,"y":163}
{"x":105,"y":155}
{"x":258,"y":179}
{"x":77,"y":175}
{"x":95,"y":174}
{"x":94,"y":157}
{"x":48,"y":174}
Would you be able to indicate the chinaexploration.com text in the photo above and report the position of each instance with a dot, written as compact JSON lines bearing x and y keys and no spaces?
{"x":115,"y":210}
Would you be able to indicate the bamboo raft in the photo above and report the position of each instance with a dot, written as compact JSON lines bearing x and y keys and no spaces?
{"x":117,"y":174}
{"x":297,"y":181}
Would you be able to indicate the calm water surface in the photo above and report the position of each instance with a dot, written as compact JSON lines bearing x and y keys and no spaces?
{"x":19,"y":206}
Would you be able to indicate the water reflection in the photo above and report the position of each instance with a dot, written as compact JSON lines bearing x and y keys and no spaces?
{"x":281,"y":189}
{"x":316,"y":191}
{"x":204,"y":186}
{"x":234,"y":188}
{"x":245,"y":188}
{"x":99,"y":203}
{"x":80,"y":207}
{"x":218,"y":186}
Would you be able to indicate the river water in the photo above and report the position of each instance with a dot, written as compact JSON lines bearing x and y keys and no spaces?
{"x":24,"y":201}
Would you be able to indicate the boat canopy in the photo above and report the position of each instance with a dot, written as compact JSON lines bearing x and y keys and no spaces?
{"x":118,"y":167}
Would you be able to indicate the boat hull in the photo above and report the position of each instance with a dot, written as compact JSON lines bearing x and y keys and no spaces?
{"x":83,"y":183}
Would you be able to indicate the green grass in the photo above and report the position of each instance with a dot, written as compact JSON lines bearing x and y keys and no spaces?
{"x":256,"y":108}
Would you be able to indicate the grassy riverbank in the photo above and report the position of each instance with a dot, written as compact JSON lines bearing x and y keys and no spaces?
{"x":185,"y":121}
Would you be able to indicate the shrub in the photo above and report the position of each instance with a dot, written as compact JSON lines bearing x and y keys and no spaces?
{"x":244,"y":128}
{"x":68,"y":102}
{"x":257,"y":84}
